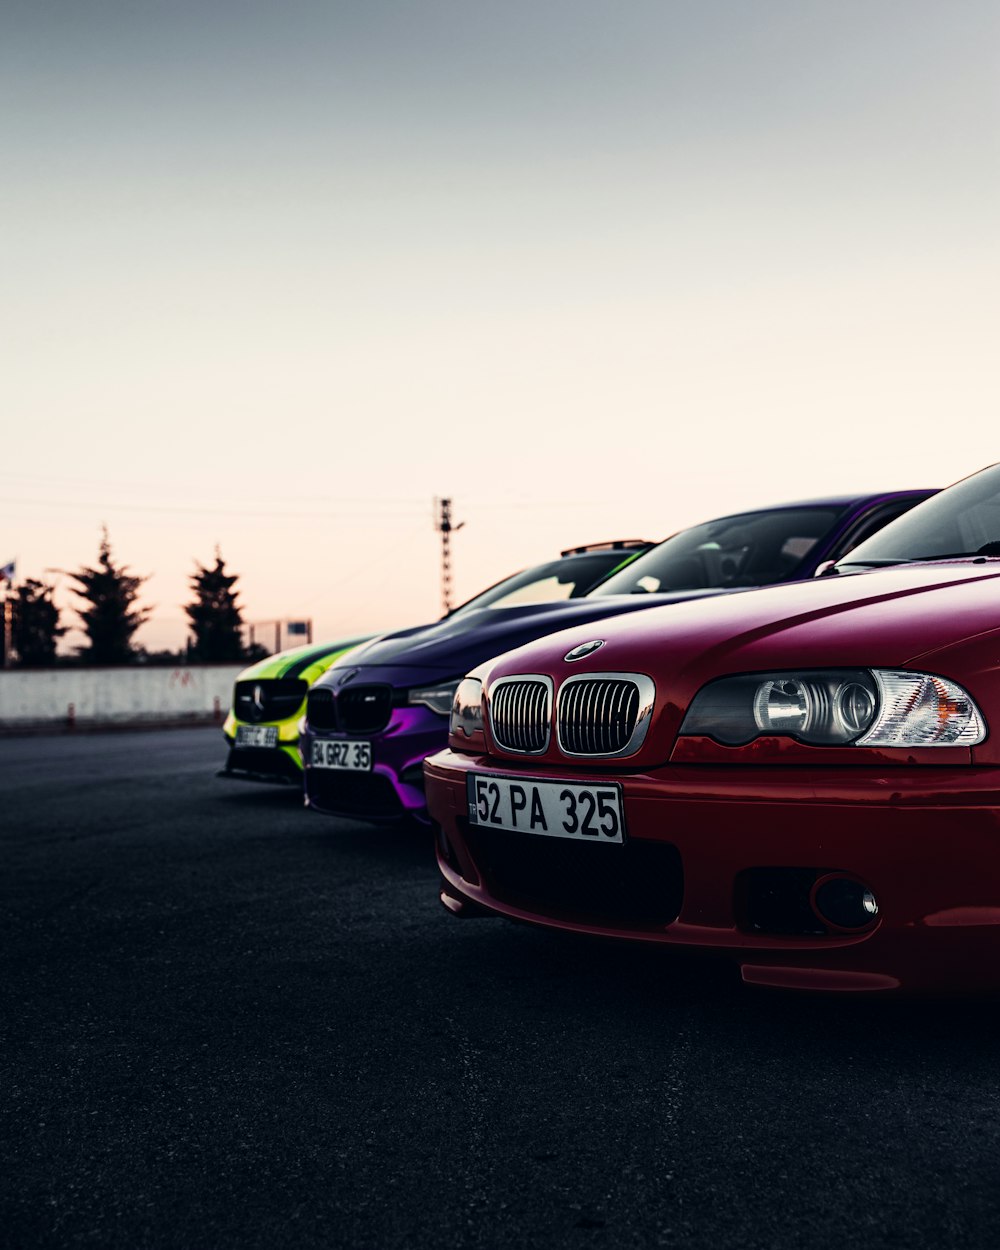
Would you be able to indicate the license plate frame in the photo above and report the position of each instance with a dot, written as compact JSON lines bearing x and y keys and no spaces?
{"x":341,"y":755}
{"x":257,"y":737}
{"x":591,"y":812}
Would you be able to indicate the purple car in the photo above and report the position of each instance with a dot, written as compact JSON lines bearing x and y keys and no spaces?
{"x":374,"y":716}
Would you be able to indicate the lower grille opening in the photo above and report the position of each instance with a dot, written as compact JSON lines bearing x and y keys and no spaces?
{"x":635,"y":885}
{"x":776,"y":901}
{"x":445,"y":848}
{"x":413,"y":775}
{"x":264,"y":762}
{"x":371,"y":796}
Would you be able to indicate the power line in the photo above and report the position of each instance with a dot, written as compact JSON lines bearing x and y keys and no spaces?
{"x":190,"y":510}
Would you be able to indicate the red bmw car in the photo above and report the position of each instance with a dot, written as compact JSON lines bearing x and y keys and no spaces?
{"x":805,"y":778}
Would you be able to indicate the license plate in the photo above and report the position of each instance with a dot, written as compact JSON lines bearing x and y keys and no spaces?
{"x":257,"y":735}
{"x":591,"y":813}
{"x":353,"y":756}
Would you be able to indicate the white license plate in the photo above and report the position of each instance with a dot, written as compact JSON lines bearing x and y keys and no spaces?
{"x":591,"y":813}
{"x":354,"y":756}
{"x":256,"y":735}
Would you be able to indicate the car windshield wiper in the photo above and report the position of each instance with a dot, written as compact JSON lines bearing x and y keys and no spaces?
{"x":987,"y":550}
{"x":870,"y":564}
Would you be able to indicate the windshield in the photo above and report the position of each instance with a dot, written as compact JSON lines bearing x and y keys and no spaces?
{"x":753,"y":549}
{"x":568,"y":578}
{"x":962,"y":520}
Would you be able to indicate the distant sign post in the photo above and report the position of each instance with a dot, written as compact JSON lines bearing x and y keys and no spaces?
{"x":300,"y":631}
{"x":7,"y":632}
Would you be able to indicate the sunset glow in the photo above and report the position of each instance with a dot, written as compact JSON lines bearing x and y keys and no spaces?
{"x":276,"y":276}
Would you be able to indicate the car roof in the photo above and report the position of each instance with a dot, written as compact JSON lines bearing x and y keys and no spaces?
{"x":836,"y":501}
{"x":615,"y":544}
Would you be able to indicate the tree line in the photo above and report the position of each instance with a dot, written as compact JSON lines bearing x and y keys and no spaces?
{"x":110,"y":614}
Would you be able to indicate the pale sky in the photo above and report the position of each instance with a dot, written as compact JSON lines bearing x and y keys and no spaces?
{"x":275,"y":275}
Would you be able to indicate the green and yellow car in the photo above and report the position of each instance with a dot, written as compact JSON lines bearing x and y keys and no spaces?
{"x":269,"y":697}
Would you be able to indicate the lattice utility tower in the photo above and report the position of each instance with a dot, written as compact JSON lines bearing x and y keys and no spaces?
{"x":443,"y":525}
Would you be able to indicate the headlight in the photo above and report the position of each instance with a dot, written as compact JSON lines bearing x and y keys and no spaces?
{"x":438,"y":697}
{"x":467,"y":710}
{"x":815,"y":707}
{"x":837,"y":707}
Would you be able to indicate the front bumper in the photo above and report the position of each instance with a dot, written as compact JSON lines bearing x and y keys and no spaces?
{"x":394,"y":788}
{"x":722,"y":858}
{"x":280,"y":764}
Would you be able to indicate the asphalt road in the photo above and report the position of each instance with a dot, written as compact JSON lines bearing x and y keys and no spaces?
{"x":226,"y":1021}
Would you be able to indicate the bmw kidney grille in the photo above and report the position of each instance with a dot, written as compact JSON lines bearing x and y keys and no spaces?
{"x":597,"y":714}
{"x":520,"y":713}
{"x":364,"y":709}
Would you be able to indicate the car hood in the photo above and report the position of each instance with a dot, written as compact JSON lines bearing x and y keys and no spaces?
{"x":295,"y":661}
{"x":452,"y":646}
{"x":944,"y":617}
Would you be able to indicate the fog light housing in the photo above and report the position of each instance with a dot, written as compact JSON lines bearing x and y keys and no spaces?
{"x":413,"y":775}
{"x":444,"y":847}
{"x":844,"y":903}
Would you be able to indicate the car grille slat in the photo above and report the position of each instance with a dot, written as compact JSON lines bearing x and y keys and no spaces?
{"x":598,"y":715}
{"x":540,"y":712}
{"x":620,"y":700}
{"x":519,"y":715}
{"x":602,"y":696}
{"x":608,"y":699}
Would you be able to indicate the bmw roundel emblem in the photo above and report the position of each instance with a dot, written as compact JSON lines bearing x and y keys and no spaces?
{"x":585,"y":648}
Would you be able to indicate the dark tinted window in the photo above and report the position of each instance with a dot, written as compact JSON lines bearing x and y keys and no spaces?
{"x":568,"y":578}
{"x":753,"y":549}
{"x":959,"y":521}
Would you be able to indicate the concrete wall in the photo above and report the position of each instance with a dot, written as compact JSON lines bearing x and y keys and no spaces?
{"x":114,"y":696}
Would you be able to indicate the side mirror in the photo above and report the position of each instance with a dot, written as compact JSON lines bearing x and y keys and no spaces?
{"x":827,"y":568}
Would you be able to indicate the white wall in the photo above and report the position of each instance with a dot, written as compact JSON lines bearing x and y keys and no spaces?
{"x":103,"y":696}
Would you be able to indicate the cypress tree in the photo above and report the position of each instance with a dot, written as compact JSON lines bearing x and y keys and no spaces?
{"x":36,"y":628}
{"x":111,"y":616}
{"x":215,"y":615}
